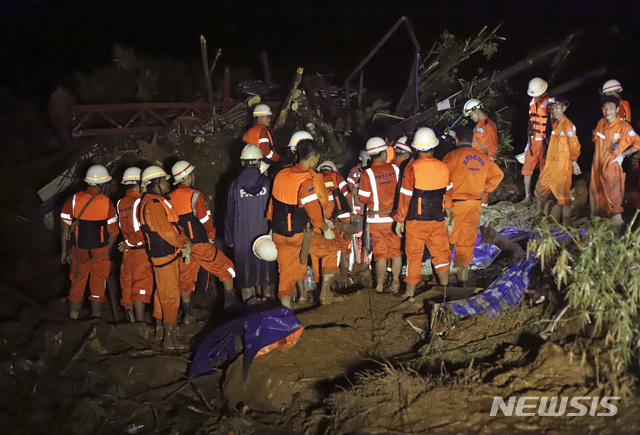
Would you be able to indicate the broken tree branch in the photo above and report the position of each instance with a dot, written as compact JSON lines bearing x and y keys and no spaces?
{"x":208,"y":71}
{"x":282,"y":116}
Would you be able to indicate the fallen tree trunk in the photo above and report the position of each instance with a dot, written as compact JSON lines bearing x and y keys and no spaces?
{"x":282,"y":116}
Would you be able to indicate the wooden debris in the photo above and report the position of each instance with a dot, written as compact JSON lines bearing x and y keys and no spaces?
{"x":282,"y":116}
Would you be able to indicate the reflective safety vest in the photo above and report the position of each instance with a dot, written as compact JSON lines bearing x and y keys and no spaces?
{"x":431,"y":180}
{"x":252,"y":136}
{"x":539,"y":125}
{"x":91,"y":232}
{"x":288,"y":217}
{"x":183,"y":201}
{"x":128,"y":218}
{"x":157,"y":247}
{"x":341,"y":207}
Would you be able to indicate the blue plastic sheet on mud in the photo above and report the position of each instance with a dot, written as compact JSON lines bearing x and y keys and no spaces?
{"x":509,"y":288}
{"x":256,"y":331}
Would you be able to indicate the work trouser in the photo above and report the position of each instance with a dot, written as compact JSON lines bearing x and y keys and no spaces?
{"x":533,"y":156}
{"x":385,"y":243}
{"x":433,"y":234}
{"x":556,"y":179}
{"x":606,"y":189}
{"x":325,"y":250}
{"x":289,"y":267}
{"x":466,"y":217}
{"x":211,"y":259}
{"x":94,"y":267}
{"x":136,"y":277}
{"x":344,"y":245}
{"x":166,"y":299}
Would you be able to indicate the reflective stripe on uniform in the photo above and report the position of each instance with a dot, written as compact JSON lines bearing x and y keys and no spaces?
{"x":379,"y":219}
{"x":601,"y":135}
{"x":65,"y":216}
{"x":204,"y":219}
{"x":269,"y":155}
{"x":342,"y":184}
{"x":264,"y":139}
{"x":113,"y":220}
{"x":309,"y":198}
{"x":167,"y":203}
{"x":438,"y":266}
{"x":136,"y":222}
{"x":450,"y":186}
{"x":343,"y":215}
{"x":374,"y":189}
{"x":406,"y":192}
{"x":232,"y":272}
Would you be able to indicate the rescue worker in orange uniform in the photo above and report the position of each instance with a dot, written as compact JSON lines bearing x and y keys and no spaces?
{"x":196,"y":223}
{"x":259,"y":133}
{"x":422,"y":205}
{"x":561,"y":163}
{"x":473,"y":176}
{"x":485,"y":133}
{"x":613,"y":87}
{"x":537,"y":140}
{"x":378,"y":185}
{"x":294,"y":203}
{"x":136,"y":275}
{"x":165,"y":246}
{"x":403,"y":154}
{"x":95,"y":228}
{"x":340,"y":195}
{"x":615,"y":139}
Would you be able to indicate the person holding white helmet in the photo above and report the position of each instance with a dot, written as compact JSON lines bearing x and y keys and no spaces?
{"x":537,"y":134}
{"x":136,"y":275}
{"x":422,"y":196}
{"x":196,"y":222}
{"x":485,"y":133}
{"x":259,"y":134}
{"x":377,"y":192}
{"x":244,"y":221}
{"x":89,"y":218}
{"x":165,"y":245}
{"x":613,"y":87}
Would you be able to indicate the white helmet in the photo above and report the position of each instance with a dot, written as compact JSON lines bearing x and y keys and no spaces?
{"x":520,"y":158}
{"x":537,"y":87}
{"x":151,"y":173}
{"x":261,"y":110}
{"x":181,"y":171}
{"x":327,"y":165}
{"x":265,"y":249}
{"x":401,"y":144}
{"x":364,"y":157}
{"x":297,"y":137}
{"x":611,"y":85}
{"x":251,"y":152}
{"x":425,"y":139}
{"x":131,"y":175}
{"x":97,"y":174}
{"x":375,"y":146}
{"x":470,"y":105}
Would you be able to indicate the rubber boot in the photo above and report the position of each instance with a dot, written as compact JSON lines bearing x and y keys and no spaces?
{"x":326,"y":294}
{"x":170,"y":341}
{"x":463,"y":274}
{"x":268,"y":291}
{"x":159,"y":330}
{"x":344,"y":264}
{"x":617,"y":221}
{"x":286,"y":301}
{"x":556,"y":213}
{"x":188,"y":318}
{"x":74,"y":309}
{"x":96,"y":308}
{"x":411,"y":290}
{"x":229,"y":298}
{"x":566,"y":215}
{"x":138,"y":309}
{"x":128,"y":310}
{"x":395,"y":286}
{"x":247,"y":293}
{"x":443,"y":277}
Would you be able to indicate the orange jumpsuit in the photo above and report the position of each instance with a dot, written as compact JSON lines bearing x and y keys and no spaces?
{"x":624,"y":111}
{"x":162,"y":238}
{"x":259,"y":135}
{"x":607,"y":179}
{"x":564,"y":148}
{"x":473,"y":175}
{"x":294,"y":202}
{"x":422,"y":203}
{"x":136,"y":275}
{"x":485,"y":137}
{"x":537,"y":140}
{"x":196,"y":223}
{"x":377,"y":191}
{"x":97,"y":223}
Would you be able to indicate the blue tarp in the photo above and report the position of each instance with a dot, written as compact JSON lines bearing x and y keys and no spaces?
{"x":509,"y":288}
{"x":255,"y":330}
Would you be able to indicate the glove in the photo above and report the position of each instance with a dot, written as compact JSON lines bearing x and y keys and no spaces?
{"x":576,"y":168}
{"x":122,"y":247}
{"x":484,"y":204}
{"x":618,"y":160}
{"x":329,"y":223}
{"x":186,"y":252}
{"x":399,"y":228}
{"x":329,"y":234}
{"x":211,"y":241}
{"x":449,"y":226}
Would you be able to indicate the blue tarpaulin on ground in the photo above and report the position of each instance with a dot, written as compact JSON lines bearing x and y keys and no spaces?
{"x":509,"y":288}
{"x":256,"y":331}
